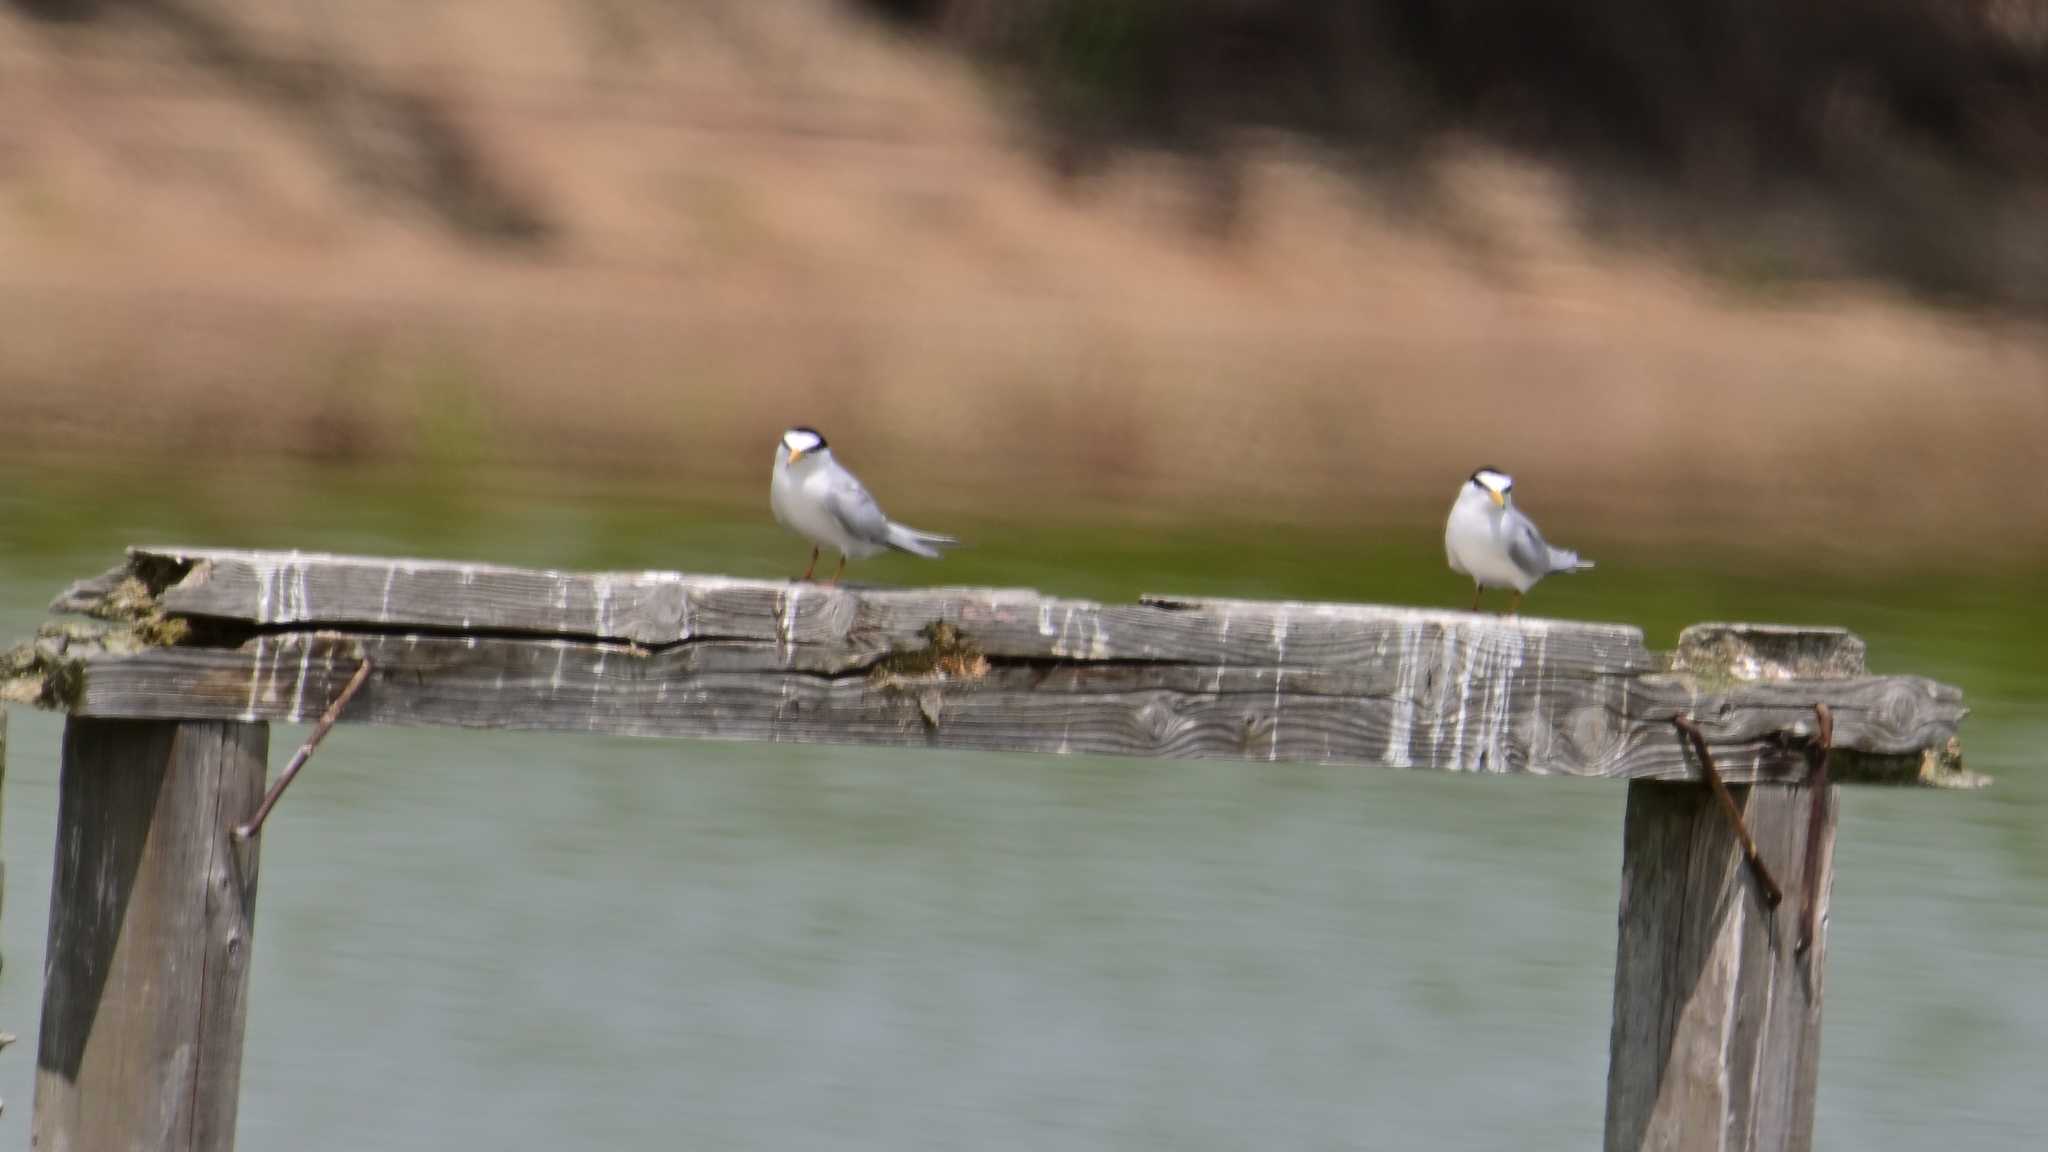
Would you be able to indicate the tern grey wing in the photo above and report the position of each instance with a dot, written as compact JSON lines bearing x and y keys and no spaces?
{"x":1534,"y":556}
{"x":1526,"y":547}
{"x":848,"y":501}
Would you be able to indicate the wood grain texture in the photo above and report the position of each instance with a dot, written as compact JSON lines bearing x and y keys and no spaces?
{"x":150,"y":917}
{"x":839,"y":628}
{"x":1716,"y":1034}
{"x":1486,"y":700}
{"x":670,"y":654}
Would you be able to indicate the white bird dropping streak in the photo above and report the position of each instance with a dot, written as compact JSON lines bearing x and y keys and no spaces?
{"x":1402,"y":728}
{"x":301,"y":608}
{"x":1279,"y":679}
{"x":255,"y":678}
{"x":603,"y":586}
{"x":299,"y":690}
{"x":1062,"y":644}
{"x":1098,"y":648}
{"x":787,"y":633}
{"x":265,"y":584}
{"x":1500,"y":684}
{"x":1464,"y":671}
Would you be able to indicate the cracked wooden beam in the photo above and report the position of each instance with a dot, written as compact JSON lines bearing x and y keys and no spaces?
{"x":677,"y":655}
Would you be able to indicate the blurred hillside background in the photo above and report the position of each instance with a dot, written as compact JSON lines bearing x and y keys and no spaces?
{"x":1208,"y":296}
{"x":1717,"y":272}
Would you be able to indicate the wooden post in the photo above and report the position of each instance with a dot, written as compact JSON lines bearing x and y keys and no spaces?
{"x":1716,"y":1040}
{"x":150,"y":915}
{"x":3,"y":815}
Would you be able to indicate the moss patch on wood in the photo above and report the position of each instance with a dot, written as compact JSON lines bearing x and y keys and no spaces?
{"x":948,"y":655}
{"x":1941,"y":767}
{"x":46,"y":671}
{"x":1735,"y":653}
{"x":126,"y":617}
{"x":132,"y":602}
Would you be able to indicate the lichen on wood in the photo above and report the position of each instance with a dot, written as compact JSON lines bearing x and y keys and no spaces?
{"x":948,"y":656}
{"x":134,"y":603}
{"x":1722,"y":654}
{"x":44,"y":671}
{"x":1935,"y":767}
{"x":49,"y":671}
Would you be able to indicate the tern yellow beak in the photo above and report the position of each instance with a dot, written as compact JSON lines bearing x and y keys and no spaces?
{"x":794,"y":453}
{"x":1500,"y":499}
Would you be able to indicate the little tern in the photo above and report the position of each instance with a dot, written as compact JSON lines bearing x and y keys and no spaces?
{"x":1488,"y":539}
{"x":814,"y":496}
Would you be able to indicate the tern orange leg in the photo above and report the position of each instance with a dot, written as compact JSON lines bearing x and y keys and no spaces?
{"x":1515,"y":606}
{"x":1476,"y":590}
{"x":811,"y":566}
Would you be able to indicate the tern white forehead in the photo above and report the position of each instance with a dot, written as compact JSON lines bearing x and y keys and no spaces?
{"x":802,"y":440}
{"x":1494,"y":480}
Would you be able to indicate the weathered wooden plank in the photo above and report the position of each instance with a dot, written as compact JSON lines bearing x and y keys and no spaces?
{"x":1478,"y":706}
{"x":1716,"y":1034}
{"x":668,"y":654}
{"x":150,"y":920}
{"x":841,"y":628}
{"x":289,"y":588}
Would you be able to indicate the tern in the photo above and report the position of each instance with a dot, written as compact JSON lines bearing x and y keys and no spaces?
{"x":815,"y":496}
{"x":1488,"y":539}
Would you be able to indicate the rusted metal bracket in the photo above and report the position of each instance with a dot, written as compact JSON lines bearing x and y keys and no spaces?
{"x":244,"y":832}
{"x":1773,"y":895}
{"x":1816,"y":779}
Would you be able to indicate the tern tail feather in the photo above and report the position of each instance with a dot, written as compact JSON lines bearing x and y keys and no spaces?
{"x":904,"y":538}
{"x":1565,"y":560}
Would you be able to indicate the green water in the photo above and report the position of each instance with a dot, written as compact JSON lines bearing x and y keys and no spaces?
{"x":472,"y":939}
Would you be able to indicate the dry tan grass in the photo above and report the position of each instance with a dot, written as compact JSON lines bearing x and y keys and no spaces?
{"x":764,"y":213}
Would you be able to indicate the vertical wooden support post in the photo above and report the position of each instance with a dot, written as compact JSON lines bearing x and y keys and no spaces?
{"x":1716,"y":1040}
{"x":3,"y":818}
{"x":146,"y":978}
